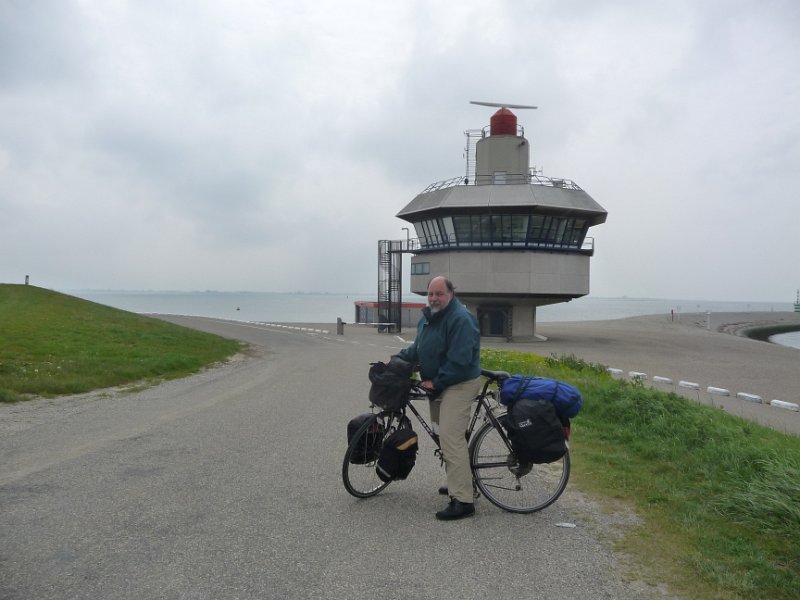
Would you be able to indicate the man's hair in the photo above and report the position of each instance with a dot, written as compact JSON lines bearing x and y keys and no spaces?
{"x":450,"y":287}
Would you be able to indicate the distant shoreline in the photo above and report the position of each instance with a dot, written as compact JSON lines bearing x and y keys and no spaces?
{"x":280,"y":307}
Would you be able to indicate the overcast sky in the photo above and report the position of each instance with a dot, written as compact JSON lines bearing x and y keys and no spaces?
{"x":266,"y":145}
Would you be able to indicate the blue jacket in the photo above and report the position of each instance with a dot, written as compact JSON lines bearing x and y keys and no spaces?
{"x":448,"y":346}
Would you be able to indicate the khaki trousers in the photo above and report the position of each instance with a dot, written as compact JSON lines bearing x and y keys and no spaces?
{"x":451,"y":412}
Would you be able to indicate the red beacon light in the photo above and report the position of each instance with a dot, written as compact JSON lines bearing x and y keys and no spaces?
{"x":503,"y":122}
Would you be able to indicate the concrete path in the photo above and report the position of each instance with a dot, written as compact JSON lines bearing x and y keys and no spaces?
{"x":227,"y":485}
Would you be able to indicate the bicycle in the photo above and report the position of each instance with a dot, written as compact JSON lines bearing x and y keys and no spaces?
{"x":497,"y":473}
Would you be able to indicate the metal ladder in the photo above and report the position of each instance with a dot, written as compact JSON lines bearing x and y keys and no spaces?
{"x":473,"y":137}
{"x":390,"y":281}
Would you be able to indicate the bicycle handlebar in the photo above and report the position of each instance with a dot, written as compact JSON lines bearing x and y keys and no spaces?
{"x":418,"y":392}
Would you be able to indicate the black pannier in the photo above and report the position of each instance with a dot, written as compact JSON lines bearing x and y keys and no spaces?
{"x":535,"y":431}
{"x":369,"y":444}
{"x":398,"y":455}
{"x":390,"y":383}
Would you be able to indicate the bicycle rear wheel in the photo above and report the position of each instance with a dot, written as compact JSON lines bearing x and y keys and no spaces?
{"x":515,"y":487}
{"x":358,"y":467}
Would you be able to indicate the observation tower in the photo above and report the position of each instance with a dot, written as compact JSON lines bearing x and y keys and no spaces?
{"x":510,"y":239}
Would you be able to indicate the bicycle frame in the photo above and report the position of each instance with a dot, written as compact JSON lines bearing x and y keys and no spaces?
{"x":418,"y":393}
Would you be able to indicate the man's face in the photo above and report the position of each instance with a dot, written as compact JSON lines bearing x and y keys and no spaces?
{"x":438,"y":295}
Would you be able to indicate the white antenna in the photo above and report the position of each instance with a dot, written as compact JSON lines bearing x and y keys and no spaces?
{"x":499,"y":105}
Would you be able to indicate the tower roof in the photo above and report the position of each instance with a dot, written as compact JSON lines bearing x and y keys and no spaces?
{"x":552,"y":199}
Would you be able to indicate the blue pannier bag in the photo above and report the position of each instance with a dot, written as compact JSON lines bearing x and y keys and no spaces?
{"x":566,"y":398}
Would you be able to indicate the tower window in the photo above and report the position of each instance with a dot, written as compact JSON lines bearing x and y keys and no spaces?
{"x":421,"y":268}
{"x":503,"y":230}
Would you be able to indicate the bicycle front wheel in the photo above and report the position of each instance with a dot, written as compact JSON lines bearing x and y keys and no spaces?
{"x":358,"y":468}
{"x":515,"y":487}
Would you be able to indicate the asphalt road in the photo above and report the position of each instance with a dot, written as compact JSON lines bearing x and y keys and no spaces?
{"x":227,"y":484}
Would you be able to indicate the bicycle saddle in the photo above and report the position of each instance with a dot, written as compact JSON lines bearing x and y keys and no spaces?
{"x":495,"y":375}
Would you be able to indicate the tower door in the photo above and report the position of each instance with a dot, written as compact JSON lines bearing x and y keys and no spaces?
{"x":495,"y":321}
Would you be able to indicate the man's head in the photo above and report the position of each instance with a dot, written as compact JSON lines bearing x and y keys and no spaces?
{"x":440,"y":292}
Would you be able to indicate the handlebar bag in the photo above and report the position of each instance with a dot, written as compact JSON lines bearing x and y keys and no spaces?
{"x":390,"y":384}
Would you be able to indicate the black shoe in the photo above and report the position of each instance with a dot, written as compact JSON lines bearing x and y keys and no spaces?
{"x":456,"y":510}
{"x":443,"y":490}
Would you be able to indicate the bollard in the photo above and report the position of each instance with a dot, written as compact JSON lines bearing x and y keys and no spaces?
{"x":718,"y":391}
{"x":749,"y":397}
{"x":339,"y":326}
{"x":786,"y":405}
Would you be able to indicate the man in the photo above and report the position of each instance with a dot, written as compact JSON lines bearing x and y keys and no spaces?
{"x":447,"y":350}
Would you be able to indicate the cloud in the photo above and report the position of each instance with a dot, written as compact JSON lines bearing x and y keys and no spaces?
{"x":268,"y":146}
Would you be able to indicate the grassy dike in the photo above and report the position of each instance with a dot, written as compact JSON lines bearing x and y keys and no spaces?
{"x":53,"y":344}
{"x":719,"y":496}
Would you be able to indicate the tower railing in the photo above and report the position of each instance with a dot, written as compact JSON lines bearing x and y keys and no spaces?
{"x":507,"y":179}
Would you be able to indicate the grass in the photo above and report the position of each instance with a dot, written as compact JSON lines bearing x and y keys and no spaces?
{"x":53,"y":344}
{"x":719,"y":496}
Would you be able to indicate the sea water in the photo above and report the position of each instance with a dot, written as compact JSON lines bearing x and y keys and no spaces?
{"x":238,"y":306}
{"x":326,"y":308}
{"x":787,"y":339}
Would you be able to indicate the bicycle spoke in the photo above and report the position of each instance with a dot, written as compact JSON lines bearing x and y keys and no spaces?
{"x":358,"y":467}
{"x":507,"y":483}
